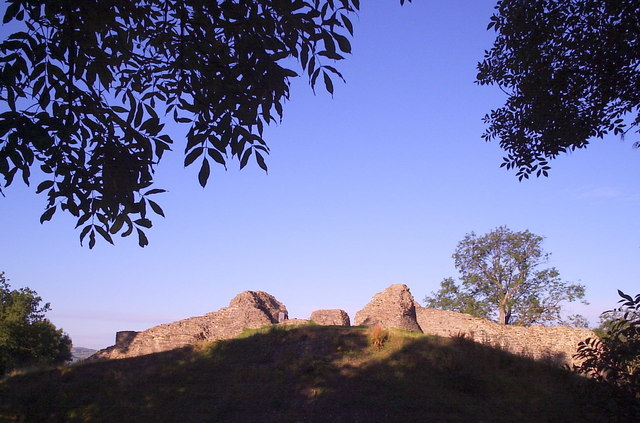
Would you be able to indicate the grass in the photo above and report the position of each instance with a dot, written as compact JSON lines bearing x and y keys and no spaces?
{"x":312,"y":374}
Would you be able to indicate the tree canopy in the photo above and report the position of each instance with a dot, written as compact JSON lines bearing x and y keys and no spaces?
{"x":570,"y":71}
{"x":27,"y":338}
{"x":87,"y":86}
{"x":502,"y":278}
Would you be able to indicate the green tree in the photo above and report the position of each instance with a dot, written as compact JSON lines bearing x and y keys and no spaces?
{"x":501,"y":278}
{"x":27,"y":338}
{"x":87,"y":85}
{"x":570,"y":72}
{"x":576,"y":321}
{"x":454,"y":298}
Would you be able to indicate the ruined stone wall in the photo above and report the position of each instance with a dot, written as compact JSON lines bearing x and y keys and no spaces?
{"x":248,"y":310}
{"x":393,"y":308}
{"x":396,"y":308}
{"x":556,"y":343}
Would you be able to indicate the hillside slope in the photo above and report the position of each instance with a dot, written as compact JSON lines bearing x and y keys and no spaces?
{"x":80,"y":353}
{"x":312,"y":374}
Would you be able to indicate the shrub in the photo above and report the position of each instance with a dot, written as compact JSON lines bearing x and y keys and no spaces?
{"x":614,"y":357}
{"x":378,"y":337}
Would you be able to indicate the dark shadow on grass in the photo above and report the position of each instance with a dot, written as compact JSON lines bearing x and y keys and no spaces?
{"x":312,"y":374}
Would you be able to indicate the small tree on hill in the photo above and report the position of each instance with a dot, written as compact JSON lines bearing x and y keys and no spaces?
{"x":502,"y":279}
{"x":26,"y":337}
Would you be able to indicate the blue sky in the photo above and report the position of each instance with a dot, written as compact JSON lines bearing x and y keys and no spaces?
{"x":374,"y":186}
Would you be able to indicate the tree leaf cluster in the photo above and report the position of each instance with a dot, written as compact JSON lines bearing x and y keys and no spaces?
{"x":27,"y":338}
{"x":87,"y":87}
{"x":570,"y":72}
{"x":614,"y":357}
{"x":502,"y":278}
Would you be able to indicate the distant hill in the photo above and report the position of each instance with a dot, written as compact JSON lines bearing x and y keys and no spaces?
{"x":80,"y":353}
{"x":314,"y":374}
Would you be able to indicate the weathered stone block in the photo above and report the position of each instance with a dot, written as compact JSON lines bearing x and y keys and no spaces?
{"x":333,"y":317}
{"x":393,"y":308}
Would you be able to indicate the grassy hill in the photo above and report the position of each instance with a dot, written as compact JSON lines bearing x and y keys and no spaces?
{"x":312,"y":374}
{"x":80,"y":353}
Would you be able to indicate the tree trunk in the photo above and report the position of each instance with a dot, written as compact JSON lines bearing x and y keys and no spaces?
{"x":504,"y":315}
{"x":501,"y":315}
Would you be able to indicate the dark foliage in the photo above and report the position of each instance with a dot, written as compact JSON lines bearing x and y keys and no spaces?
{"x":570,"y":70}
{"x":614,"y":358}
{"x":87,"y":86}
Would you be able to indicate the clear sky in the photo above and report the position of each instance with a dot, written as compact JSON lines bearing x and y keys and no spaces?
{"x":372,"y":187}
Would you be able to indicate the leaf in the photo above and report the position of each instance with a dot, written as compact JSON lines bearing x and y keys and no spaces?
{"x":43,"y":186}
{"x":150,"y":125}
{"x":289,"y":73}
{"x":245,"y":157}
{"x":92,"y":239}
{"x":129,"y":228}
{"x":48,"y":214}
{"x":84,"y":232}
{"x":11,"y":12}
{"x":139,"y":115}
{"x":347,"y":24}
{"x":203,"y":175}
{"x":217,"y":156}
{"x":327,"y":82}
{"x":44,"y":99}
{"x":343,"y":43}
{"x":156,"y":208}
{"x":625,"y":296}
{"x":104,"y":234}
{"x":117,"y":225}
{"x":38,"y":85}
{"x":145,"y":223}
{"x":261,"y":161}
{"x":142,"y":239}
{"x":83,"y":219}
{"x":194,"y":154}
{"x":304,"y":56}
{"x":331,"y":55}
{"x":132,"y":103}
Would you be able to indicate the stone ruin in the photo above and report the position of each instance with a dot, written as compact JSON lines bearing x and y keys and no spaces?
{"x":393,"y":308}
{"x":248,"y":310}
{"x":556,"y":344}
{"x":330,"y":318}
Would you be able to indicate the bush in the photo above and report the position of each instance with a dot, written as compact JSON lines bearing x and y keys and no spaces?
{"x":614,"y":357}
{"x":378,"y":337}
